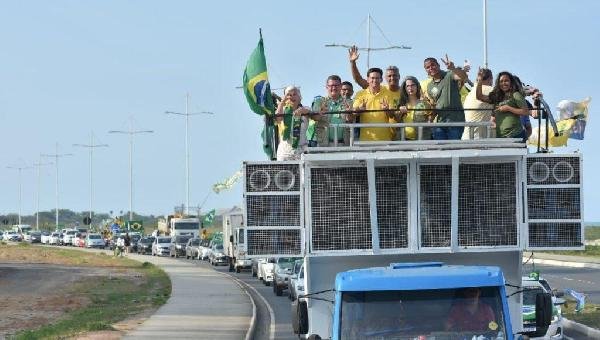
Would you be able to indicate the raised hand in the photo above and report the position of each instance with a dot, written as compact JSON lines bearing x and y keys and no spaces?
{"x":353,"y":53}
{"x":449,"y":63}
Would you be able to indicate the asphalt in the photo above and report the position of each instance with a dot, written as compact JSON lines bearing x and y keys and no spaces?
{"x":206,"y":304}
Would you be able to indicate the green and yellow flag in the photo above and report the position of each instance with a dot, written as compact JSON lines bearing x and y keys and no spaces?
{"x":209,"y":217}
{"x":256,"y":82}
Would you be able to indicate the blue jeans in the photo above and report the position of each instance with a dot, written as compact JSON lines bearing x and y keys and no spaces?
{"x":442,"y":133}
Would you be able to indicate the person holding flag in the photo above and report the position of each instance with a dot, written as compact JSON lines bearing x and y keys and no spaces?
{"x":291,"y":124}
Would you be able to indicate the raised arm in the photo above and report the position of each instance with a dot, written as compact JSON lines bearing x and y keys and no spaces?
{"x":353,"y":56}
{"x":459,"y":74}
{"x":478,"y":91}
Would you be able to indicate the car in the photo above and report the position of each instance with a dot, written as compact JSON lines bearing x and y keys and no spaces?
{"x":78,"y":240}
{"x":192,"y":248}
{"x":68,"y":236}
{"x":177,"y":247}
{"x":45,"y":238}
{"x":94,"y":241}
{"x":281,"y":274}
{"x":294,"y":277}
{"x":533,"y":285}
{"x":254,"y":266}
{"x":144,"y":245}
{"x":35,"y":237}
{"x":55,"y":238}
{"x":13,"y":236}
{"x":297,"y":284}
{"x":265,"y":271}
{"x":26,"y":236}
{"x":204,"y":250}
{"x":134,"y":238}
{"x":217,"y":255}
{"x":161,"y":245}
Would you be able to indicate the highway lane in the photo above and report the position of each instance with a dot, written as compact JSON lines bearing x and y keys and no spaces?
{"x":583,"y":280}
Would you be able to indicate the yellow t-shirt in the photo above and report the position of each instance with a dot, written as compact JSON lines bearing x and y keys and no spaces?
{"x":373,"y":102}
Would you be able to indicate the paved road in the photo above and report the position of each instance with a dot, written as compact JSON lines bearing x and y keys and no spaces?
{"x":584,"y":280}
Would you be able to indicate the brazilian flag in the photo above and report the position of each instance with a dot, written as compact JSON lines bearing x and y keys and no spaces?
{"x":209,"y":217}
{"x":256,"y":82}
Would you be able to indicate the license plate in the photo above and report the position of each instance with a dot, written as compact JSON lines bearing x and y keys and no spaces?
{"x":529,"y":329}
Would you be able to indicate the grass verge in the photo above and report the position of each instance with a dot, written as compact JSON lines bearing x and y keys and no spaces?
{"x":136,"y":287}
{"x":589,"y":316}
{"x":591,"y":251}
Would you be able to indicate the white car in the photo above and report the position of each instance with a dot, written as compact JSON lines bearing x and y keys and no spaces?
{"x":94,"y":241}
{"x":265,"y":271}
{"x":45,"y":237}
{"x":295,"y":277}
{"x":203,"y":250}
{"x":161,"y":246}
{"x":531,"y":287}
{"x":68,"y":236}
{"x":11,"y":235}
{"x":297,"y":284}
{"x":55,"y":238}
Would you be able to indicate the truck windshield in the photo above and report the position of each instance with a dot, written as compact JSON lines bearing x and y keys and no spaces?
{"x":440,"y":314}
{"x":186,"y":225}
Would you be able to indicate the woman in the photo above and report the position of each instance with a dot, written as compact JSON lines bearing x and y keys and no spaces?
{"x":509,"y":102}
{"x":413,"y":109}
{"x":289,"y":118}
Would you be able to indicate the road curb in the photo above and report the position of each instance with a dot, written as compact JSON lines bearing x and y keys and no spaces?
{"x":252,"y":329}
{"x":563,"y":263}
{"x":580,"y":328}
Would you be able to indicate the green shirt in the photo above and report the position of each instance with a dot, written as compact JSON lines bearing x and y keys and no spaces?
{"x":446,"y":95}
{"x":328,"y":104}
{"x":508,"y":124}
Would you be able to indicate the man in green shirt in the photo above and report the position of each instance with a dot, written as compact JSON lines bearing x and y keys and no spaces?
{"x":325,"y":133}
{"x":443,"y":93}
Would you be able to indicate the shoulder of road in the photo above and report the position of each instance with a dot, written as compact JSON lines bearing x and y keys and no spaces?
{"x":560,"y":260}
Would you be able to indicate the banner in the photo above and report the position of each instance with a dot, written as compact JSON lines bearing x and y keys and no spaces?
{"x":228,"y":183}
{"x":209,"y":217}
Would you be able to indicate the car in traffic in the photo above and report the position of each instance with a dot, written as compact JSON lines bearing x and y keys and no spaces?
{"x":204,"y":250}
{"x":161,"y":246}
{"x":297,"y":283}
{"x":144,"y":245}
{"x":68,"y":236}
{"x":35,"y":237}
{"x":94,"y":240}
{"x":192,"y":248}
{"x":533,"y":285}
{"x":11,"y":235}
{"x":281,"y":274}
{"x":295,"y":273}
{"x":217,"y":255}
{"x":45,"y":238}
{"x":177,"y":247}
{"x":254,"y":266}
{"x":55,"y":238}
{"x":265,"y":271}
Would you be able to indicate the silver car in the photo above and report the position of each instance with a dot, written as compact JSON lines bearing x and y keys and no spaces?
{"x":161,"y":246}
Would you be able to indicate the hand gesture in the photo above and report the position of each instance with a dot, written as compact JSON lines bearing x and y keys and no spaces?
{"x":353,"y":53}
{"x":403,"y":110}
{"x":449,"y":63}
{"x":503,"y":108}
{"x":480,"y":74}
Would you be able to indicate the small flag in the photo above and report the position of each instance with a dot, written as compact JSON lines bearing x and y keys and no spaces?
{"x":579,"y":112}
{"x":256,"y":82}
{"x":228,"y":183}
{"x":209,"y":217}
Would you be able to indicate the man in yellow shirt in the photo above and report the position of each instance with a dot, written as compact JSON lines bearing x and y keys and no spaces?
{"x":375,"y":97}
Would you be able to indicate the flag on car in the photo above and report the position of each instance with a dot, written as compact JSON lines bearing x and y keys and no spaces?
{"x":256,"y":82}
{"x":228,"y":183}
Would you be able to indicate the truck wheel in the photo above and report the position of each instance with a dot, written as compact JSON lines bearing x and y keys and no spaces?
{"x":253,"y":273}
{"x":267,"y":283}
{"x":237,"y":270}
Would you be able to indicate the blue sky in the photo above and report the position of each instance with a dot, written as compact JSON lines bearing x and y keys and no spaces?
{"x":71,"y":67}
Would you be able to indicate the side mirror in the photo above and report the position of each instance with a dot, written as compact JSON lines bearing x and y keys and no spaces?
{"x":543,"y":310}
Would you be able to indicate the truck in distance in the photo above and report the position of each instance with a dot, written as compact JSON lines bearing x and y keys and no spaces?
{"x":174,"y":225}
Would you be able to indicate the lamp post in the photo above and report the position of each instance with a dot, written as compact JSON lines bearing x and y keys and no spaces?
{"x":131,"y":132}
{"x":91,"y":147}
{"x":20,"y":168}
{"x":37,"y":212}
{"x":56,"y":157}
{"x":187,"y":115}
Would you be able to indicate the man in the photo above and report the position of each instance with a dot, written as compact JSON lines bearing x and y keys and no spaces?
{"x":443,"y":93}
{"x":375,"y":97}
{"x":484,"y":112}
{"x":392,"y":74}
{"x":347,"y":90}
{"x":325,"y":134}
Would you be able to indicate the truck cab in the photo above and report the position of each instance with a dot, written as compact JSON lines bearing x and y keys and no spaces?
{"x":234,"y":240}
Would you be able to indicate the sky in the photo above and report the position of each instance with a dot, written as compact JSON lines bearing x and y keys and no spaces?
{"x":72,"y":69}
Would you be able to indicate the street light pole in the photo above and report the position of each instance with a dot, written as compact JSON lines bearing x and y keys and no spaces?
{"x":56,"y":157}
{"x":131,"y":133}
{"x":187,"y":115}
{"x":37,"y":212}
{"x":91,"y":147}
{"x":20,"y":168}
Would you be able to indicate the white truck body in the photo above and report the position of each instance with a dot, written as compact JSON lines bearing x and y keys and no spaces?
{"x":234,"y":240}
{"x":174,"y":225}
{"x":475,"y":202}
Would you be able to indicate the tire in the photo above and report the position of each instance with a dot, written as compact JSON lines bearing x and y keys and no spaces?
{"x":238,"y":270}
{"x":278,"y":290}
{"x":253,"y":273}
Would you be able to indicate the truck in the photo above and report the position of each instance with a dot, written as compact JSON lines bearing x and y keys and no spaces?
{"x":470,"y":204}
{"x":234,"y":242}
{"x":174,"y":225}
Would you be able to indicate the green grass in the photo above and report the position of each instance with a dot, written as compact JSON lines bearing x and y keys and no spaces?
{"x":112,"y":299}
{"x":590,"y":316}
{"x":591,"y":251}
{"x":592,"y":233}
